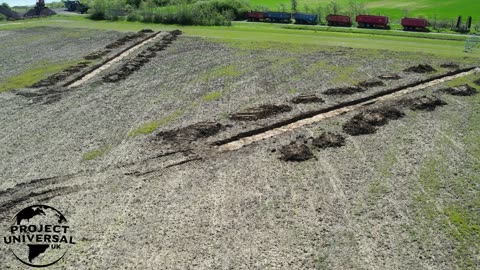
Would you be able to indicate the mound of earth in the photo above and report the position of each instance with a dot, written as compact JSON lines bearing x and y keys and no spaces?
{"x":261,"y":112}
{"x":191,"y":133}
{"x":461,"y":90}
{"x":296,"y":152}
{"x":423,"y":103}
{"x":365,"y":122}
{"x":356,"y":127}
{"x":368,"y":84}
{"x":390,"y":77}
{"x":344,"y":90}
{"x":96,"y":55}
{"x":146,"y":31}
{"x":60,"y":76}
{"x":450,"y":65}
{"x":123,"y":40}
{"x":329,"y":139}
{"x":421,"y":69}
{"x":307,"y":99}
{"x":477,"y":82}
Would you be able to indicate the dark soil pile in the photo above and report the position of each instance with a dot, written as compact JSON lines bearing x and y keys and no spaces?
{"x":34,"y":12}
{"x":450,"y":65}
{"x":191,"y":133}
{"x":344,"y":90}
{"x":96,"y":55}
{"x":462,"y":90}
{"x":146,"y":31}
{"x":307,"y":99}
{"x":368,"y":84}
{"x":62,"y":75}
{"x":477,"y":82}
{"x":423,"y":103}
{"x":123,"y":40}
{"x":390,"y":77}
{"x":296,"y":152}
{"x":356,"y":127}
{"x":366,"y":122}
{"x":329,"y":139}
{"x":261,"y":112}
{"x":421,"y":69}
{"x":136,"y":63}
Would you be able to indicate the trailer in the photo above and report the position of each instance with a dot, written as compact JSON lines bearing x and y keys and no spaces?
{"x":278,"y":17}
{"x":371,"y":21}
{"x":339,"y":20}
{"x":414,"y":24}
{"x":303,"y":18}
{"x":255,"y":16}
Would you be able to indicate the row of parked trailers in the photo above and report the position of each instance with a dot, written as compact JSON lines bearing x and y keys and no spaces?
{"x":363,"y":21}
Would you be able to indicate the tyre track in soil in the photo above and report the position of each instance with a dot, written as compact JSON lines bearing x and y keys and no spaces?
{"x":246,"y":138}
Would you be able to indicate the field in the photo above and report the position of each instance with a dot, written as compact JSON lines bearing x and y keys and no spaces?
{"x":245,"y":147}
{"x":395,"y":9}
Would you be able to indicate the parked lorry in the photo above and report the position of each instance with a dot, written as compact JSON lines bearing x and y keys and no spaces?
{"x":278,"y":16}
{"x":339,"y":20}
{"x":255,"y":16}
{"x":414,"y":24}
{"x":371,"y":21}
{"x":303,"y":18}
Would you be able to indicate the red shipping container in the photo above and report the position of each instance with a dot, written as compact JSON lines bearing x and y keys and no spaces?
{"x":371,"y":20}
{"x":414,"y":22}
{"x":339,"y":20}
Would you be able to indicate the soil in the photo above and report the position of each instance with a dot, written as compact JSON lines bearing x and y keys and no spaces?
{"x":461,"y":90}
{"x":142,"y":58}
{"x":344,"y":90}
{"x":329,"y":139}
{"x":261,"y":112}
{"x":368,"y":84}
{"x":307,"y":99}
{"x":96,"y":55}
{"x":296,"y":152}
{"x":356,"y":127}
{"x":390,"y":77}
{"x":423,"y":103}
{"x":365,"y":122}
{"x":62,"y":75}
{"x":146,"y":31}
{"x":477,"y":82}
{"x":450,"y":65}
{"x":422,"y":68}
{"x":191,"y":133}
{"x":123,"y":40}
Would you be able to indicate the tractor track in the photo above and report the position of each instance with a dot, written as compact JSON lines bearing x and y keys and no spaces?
{"x":245,"y":138}
{"x":94,"y":70}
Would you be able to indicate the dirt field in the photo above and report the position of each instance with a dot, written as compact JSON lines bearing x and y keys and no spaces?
{"x":135,"y":164}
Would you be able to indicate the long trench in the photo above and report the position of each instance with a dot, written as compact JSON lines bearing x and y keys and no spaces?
{"x":245,"y":138}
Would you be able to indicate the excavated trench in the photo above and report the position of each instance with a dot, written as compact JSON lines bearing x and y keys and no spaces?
{"x":95,"y":70}
{"x":255,"y":135}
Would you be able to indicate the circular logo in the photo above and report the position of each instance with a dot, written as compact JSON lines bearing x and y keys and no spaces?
{"x":39,"y":236}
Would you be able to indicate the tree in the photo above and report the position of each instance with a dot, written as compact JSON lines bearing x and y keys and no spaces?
{"x":333,"y":7}
{"x":294,"y":5}
{"x":5,"y":5}
{"x":355,"y":8}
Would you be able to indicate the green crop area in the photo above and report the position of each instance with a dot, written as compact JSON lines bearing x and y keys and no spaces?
{"x":394,"y":8}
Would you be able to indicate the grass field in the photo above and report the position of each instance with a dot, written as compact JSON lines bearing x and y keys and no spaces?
{"x":393,"y":8}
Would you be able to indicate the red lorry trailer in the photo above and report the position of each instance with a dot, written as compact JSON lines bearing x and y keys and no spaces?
{"x":412,"y":24}
{"x":371,"y":21}
{"x":339,"y":20}
{"x":255,"y":16}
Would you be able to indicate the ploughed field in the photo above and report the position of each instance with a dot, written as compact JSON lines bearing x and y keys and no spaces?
{"x":154,"y":156}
